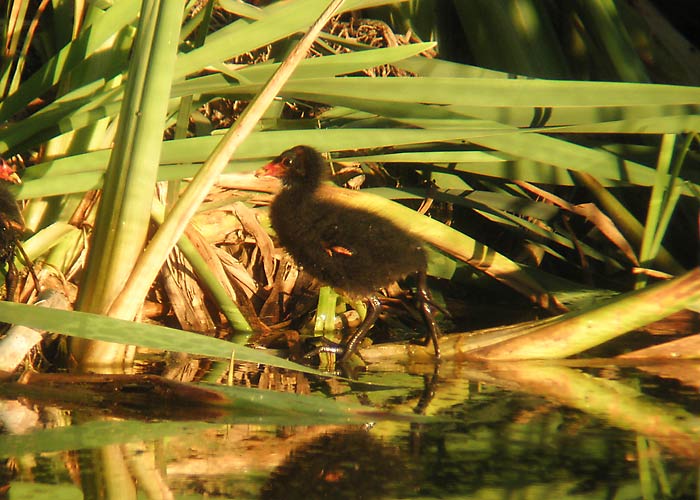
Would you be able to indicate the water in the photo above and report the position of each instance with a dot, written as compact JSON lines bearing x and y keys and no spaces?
{"x":517,"y":430}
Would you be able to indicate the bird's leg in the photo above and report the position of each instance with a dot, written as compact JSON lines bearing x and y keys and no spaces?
{"x":346,"y":350}
{"x":29,"y":264}
{"x":374,"y":307}
{"x":426,"y":305}
{"x":11,"y":279}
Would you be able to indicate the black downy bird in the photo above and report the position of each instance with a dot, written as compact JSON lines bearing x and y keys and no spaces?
{"x":11,"y":224}
{"x":11,"y":221}
{"x":355,"y":251}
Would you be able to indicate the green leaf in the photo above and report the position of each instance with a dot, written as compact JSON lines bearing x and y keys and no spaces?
{"x":97,"y":327}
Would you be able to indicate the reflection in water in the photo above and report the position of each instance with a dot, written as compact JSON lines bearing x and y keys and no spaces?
{"x":348,"y":464}
{"x":513,"y":430}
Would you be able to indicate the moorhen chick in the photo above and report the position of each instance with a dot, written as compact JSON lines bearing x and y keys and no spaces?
{"x":355,"y":251}
{"x":11,"y":227}
{"x":11,"y":221}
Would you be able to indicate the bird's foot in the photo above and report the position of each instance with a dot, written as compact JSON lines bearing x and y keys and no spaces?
{"x":326,"y":346}
{"x":346,"y":364}
{"x":430,"y":338}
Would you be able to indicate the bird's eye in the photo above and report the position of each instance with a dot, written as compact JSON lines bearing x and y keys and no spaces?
{"x":287,"y":161}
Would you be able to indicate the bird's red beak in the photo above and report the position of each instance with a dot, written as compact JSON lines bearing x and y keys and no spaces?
{"x":7,"y":172}
{"x":272,"y":169}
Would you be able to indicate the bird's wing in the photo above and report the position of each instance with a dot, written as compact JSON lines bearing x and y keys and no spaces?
{"x":335,"y":243}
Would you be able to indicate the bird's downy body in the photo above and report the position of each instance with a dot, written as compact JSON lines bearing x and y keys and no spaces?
{"x":351,"y":250}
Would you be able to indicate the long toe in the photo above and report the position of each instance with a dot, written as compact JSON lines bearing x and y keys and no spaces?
{"x":326,"y":346}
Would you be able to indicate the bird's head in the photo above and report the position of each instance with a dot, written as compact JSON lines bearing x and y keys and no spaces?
{"x":7,"y":172}
{"x":298,"y":166}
